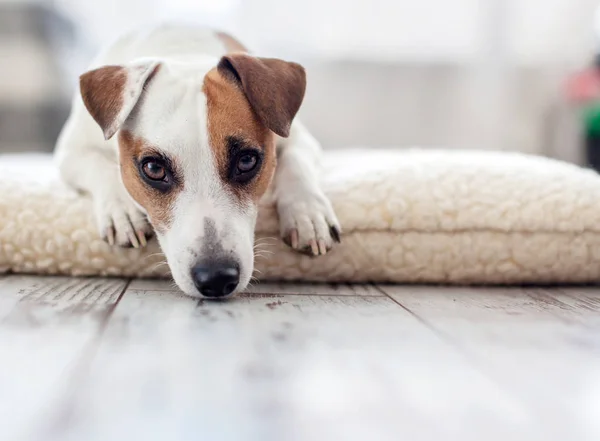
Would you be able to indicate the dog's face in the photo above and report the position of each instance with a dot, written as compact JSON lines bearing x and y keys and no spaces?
{"x":197,"y":153}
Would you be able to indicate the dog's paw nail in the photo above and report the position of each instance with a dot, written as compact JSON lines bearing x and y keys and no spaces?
{"x":133,"y":240}
{"x":314,"y":248}
{"x":110,"y":236}
{"x":335,"y":234}
{"x":141,"y":237}
{"x":322,"y":247}
{"x":294,"y":239}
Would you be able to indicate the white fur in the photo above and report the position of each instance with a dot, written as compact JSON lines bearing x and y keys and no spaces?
{"x":172,"y":115}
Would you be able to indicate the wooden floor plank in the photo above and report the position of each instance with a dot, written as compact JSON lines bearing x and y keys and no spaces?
{"x":48,"y":325}
{"x":297,"y":362}
{"x":581,"y":304}
{"x":528,"y":342}
{"x":153,"y":285}
{"x":275,"y":367}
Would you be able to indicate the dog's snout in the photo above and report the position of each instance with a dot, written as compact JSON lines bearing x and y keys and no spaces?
{"x":216,"y":279}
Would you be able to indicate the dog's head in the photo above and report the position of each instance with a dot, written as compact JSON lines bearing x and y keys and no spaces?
{"x":197,"y":152}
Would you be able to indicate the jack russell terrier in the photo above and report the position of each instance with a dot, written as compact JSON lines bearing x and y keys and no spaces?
{"x":179,"y":130}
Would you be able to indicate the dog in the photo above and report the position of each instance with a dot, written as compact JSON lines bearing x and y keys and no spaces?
{"x":179,"y":131}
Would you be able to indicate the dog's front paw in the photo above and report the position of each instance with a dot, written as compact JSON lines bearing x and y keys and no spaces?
{"x":308,"y":223}
{"x":120,"y":222}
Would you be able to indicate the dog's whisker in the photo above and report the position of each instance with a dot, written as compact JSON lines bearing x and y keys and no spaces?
{"x":156,"y":254}
{"x":263,"y":245}
{"x":156,"y":270}
{"x":259,"y":246}
{"x":150,"y":256}
{"x":264,"y":249}
{"x":158,"y":266}
{"x":266,"y":238}
{"x":265,"y":242}
{"x":256,"y":247}
{"x":261,"y":252}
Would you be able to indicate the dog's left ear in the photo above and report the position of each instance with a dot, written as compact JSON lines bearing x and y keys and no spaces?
{"x":111,"y":92}
{"x":274,"y":88}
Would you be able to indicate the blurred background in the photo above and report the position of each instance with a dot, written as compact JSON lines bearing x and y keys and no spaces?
{"x":482,"y":74}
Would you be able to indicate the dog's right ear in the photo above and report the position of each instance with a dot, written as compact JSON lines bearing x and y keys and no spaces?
{"x":111,"y":92}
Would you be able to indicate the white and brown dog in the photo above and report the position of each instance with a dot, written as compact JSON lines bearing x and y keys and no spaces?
{"x":192,"y":131}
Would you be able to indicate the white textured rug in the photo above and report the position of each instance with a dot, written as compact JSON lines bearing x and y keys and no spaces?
{"x":407,"y":215}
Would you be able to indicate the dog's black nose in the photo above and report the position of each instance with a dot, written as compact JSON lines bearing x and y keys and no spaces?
{"x":216,"y":279}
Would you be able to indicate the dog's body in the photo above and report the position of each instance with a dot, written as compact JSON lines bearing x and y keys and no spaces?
{"x":179,"y":127}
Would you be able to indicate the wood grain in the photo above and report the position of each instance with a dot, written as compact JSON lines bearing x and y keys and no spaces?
{"x":526,"y":340}
{"x":98,"y":359}
{"x":273,"y":367}
{"x":582,"y":304}
{"x":48,"y":326}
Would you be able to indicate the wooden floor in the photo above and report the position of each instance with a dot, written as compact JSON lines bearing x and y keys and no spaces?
{"x":106,"y":360}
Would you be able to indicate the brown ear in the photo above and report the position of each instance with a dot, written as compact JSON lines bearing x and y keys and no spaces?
{"x":274,"y":88}
{"x":111,"y":92}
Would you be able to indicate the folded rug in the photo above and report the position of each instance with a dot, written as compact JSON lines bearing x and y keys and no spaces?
{"x":407,"y":215}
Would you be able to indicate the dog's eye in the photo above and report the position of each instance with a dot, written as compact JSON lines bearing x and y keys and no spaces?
{"x":247,"y":162}
{"x":244,"y":164}
{"x":154,"y":170}
{"x":158,"y":173}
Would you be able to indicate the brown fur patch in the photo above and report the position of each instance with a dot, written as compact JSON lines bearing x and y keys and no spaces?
{"x":158,"y":205}
{"x":102,"y":93}
{"x":231,"y":44}
{"x":230,"y":115}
